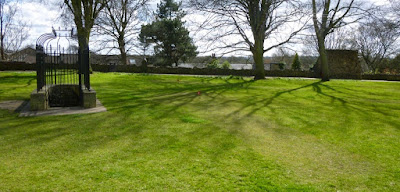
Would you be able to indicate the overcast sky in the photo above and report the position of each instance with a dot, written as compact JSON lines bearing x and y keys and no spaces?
{"x":43,"y":16}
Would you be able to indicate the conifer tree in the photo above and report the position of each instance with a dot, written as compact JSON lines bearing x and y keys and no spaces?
{"x":168,"y":33}
{"x":296,"y":63}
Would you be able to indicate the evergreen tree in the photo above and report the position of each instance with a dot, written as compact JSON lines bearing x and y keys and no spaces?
{"x":296,"y":63}
{"x":168,"y":33}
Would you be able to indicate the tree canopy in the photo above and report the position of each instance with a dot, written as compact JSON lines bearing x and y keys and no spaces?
{"x":251,"y":25}
{"x":84,"y":14}
{"x":168,"y":33}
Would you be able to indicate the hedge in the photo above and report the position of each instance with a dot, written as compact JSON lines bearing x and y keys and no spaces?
{"x":20,"y":66}
{"x":17,"y":66}
{"x":381,"y":77}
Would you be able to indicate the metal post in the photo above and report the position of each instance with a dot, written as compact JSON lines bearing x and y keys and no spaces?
{"x":80,"y":76}
{"x":80,"y":68}
{"x":39,"y":67}
{"x":86,"y":65}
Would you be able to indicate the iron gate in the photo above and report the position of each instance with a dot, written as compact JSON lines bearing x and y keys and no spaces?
{"x":62,"y":68}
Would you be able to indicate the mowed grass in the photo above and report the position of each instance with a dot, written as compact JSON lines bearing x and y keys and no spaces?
{"x":237,"y":135}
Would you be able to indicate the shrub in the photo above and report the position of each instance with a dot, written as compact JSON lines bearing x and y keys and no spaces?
{"x":213,"y":64}
{"x":226,"y":65}
{"x":394,"y":64}
{"x":143,"y":65}
{"x":281,"y":65}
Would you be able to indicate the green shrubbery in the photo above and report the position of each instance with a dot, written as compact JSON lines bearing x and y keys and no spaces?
{"x":226,"y":65}
{"x":15,"y":66}
{"x":215,"y":64}
{"x":281,"y":65}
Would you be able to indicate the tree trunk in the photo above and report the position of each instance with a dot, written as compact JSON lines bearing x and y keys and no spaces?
{"x":324,"y":60}
{"x":121,"y":45}
{"x":124,"y":58}
{"x":83,"y":41}
{"x":2,"y":42}
{"x":83,"y":38}
{"x":258,"y":56}
{"x":2,"y":48}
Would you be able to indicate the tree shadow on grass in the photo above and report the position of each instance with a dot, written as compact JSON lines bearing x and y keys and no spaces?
{"x":17,"y":81}
{"x":86,"y":132}
{"x":169,"y":97}
{"x":174,"y":95}
{"x":266,"y":102}
{"x":17,"y":78}
{"x":255,"y":104}
{"x":165,"y":101}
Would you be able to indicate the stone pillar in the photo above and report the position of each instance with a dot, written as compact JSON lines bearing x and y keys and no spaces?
{"x":39,"y":100}
{"x":89,"y":98}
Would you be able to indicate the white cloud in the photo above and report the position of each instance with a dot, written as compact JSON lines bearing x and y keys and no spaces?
{"x":41,"y":18}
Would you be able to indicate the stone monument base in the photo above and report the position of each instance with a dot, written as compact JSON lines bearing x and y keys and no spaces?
{"x":44,"y":99}
{"x":89,"y":98}
{"x":39,"y":100}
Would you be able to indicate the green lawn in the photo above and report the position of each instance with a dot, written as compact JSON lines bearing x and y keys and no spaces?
{"x":159,"y":135}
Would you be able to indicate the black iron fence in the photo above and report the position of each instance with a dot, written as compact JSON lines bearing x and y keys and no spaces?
{"x":58,"y":67}
{"x":62,"y":70}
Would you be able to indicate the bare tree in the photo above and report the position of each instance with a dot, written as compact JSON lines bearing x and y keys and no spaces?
{"x":395,"y":11}
{"x":121,"y":23}
{"x":376,"y":40}
{"x":283,"y":55}
{"x":251,"y":25}
{"x":329,"y":15}
{"x":84,"y":14}
{"x":12,"y":31}
{"x":341,"y":38}
{"x":395,"y":8}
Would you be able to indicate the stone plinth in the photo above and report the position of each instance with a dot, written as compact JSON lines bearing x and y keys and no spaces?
{"x":89,"y":98}
{"x":39,"y":100}
{"x":62,"y":96}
